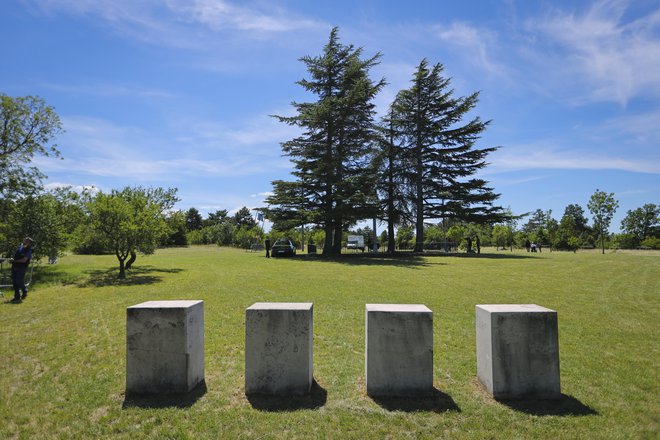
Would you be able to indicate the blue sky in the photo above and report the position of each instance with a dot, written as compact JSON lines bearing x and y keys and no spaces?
{"x":178,"y":93}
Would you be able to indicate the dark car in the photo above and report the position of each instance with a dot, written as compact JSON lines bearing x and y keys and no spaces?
{"x":283,"y":248}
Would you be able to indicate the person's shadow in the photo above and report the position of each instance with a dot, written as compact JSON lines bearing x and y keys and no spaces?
{"x":315,"y":399}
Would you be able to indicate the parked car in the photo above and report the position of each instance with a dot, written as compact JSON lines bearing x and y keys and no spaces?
{"x":283,"y":248}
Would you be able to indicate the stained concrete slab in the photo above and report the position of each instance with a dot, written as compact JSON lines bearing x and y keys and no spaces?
{"x":398,"y":349}
{"x":518,"y":351}
{"x":279,"y":348}
{"x":164,"y":347}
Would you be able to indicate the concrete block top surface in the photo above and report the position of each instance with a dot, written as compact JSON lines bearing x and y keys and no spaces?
{"x":280,"y":306}
{"x":176,"y":304}
{"x":514,"y":308}
{"x":398,"y":308}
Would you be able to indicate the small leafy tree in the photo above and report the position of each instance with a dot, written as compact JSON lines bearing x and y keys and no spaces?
{"x":131,"y":220}
{"x":602,"y":206}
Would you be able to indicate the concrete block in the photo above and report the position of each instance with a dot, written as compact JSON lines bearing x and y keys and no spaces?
{"x":398,"y":349}
{"x":518,"y":351}
{"x":279,"y":348}
{"x":164,"y":347}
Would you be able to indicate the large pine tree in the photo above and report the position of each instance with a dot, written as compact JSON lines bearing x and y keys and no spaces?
{"x":440,"y":152}
{"x":333,"y":187}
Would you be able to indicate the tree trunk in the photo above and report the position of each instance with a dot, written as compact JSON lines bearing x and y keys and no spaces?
{"x":336,"y":245}
{"x":131,"y":260}
{"x":327,"y":243}
{"x":121,"y":256}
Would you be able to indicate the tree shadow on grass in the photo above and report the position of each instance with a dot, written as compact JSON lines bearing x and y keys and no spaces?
{"x":136,"y":276}
{"x":175,"y":400}
{"x":563,"y":406}
{"x":436,"y":401}
{"x":402,"y":259}
{"x":314,"y":400}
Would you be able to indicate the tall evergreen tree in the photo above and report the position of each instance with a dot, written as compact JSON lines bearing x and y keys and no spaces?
{"x":441,"y":154}
{"x":332,"y":186}
{"x":392,"y":186}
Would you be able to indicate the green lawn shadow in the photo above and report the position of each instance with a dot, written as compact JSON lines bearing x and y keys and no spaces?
{"x":436,"y":401}
{"x":563,"y":406}
{"x":138,"y":275}
{"x":316,"y":398}
{"x":175,"y":400}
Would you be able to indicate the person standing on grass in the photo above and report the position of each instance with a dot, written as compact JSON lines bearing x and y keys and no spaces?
{"x":267,"y":248}
{"x":478,"y":244}
{"x":19,"y":265}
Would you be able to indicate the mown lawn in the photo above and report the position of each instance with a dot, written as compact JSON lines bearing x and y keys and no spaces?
{"x":63,"y":350}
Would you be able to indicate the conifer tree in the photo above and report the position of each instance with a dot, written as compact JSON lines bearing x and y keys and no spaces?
{"x":333,"y":184}
{"x":440,"y":152}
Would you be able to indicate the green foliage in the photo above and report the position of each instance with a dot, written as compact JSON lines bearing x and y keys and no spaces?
{"x":602,"y":206}
{"x":334,"y":181}
{"x":405,"y":237}
{"x":439,"y":154}
{"x":194,"y":220}
{"x":651,"y":243}
{"x":27,"y":127}
{"x":177,"y":225}
{"x":49,"y":218}
{"x":642,"y":223}
{"x":131,"y":220}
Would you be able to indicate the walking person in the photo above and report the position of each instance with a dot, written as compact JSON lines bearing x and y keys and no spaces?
{"x":19,"y":265}
{"x":268,"y":248}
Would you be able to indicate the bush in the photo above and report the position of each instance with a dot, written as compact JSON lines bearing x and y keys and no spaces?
{"x":651,"y":242}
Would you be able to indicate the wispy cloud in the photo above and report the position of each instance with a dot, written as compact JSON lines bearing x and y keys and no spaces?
{"x":105,"y":90}
{"x":551,"y":155}
{"x":97,"y":147}
{"x":613,"y":60}
{"x":183,"y":23}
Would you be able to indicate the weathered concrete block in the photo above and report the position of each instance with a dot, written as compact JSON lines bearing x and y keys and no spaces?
{"x":164,"y":347}
{"x":279,"y":348}
{"x":518,"y":351}
{"x":399,"y":349}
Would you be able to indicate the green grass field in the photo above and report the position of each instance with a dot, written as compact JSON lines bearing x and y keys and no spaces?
{"x":63,"y":350}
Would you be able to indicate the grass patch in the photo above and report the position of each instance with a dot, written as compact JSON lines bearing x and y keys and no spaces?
{"x":63,"y":350}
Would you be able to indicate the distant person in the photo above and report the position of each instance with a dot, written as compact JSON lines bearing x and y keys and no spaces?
{"x":478,"y":245}
{"x":528,"y":245}
{"x":533,"y":247}
{"x":539,"y":246}
{"x":19,"y":265}
{"x":267,"y":248}
{"x":448,"y":244}
{"x":469,"y":245}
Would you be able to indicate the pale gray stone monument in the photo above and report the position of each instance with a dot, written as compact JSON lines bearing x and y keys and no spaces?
{"x":518,"y":351}
{"x":164,"y":347}
{"x":279,"y":348}
{"x":398,"y":349}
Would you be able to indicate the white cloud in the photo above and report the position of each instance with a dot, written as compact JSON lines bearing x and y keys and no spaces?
{"x":614,"y":60}
{"x":549,"y":155}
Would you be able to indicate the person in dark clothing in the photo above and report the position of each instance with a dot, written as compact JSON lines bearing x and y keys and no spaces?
{"x":19,"y":265}
{"x":469,"y":245}
{"x":478,"y":245}
{"x":528,"y":245}
{"x":267,"y":248}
